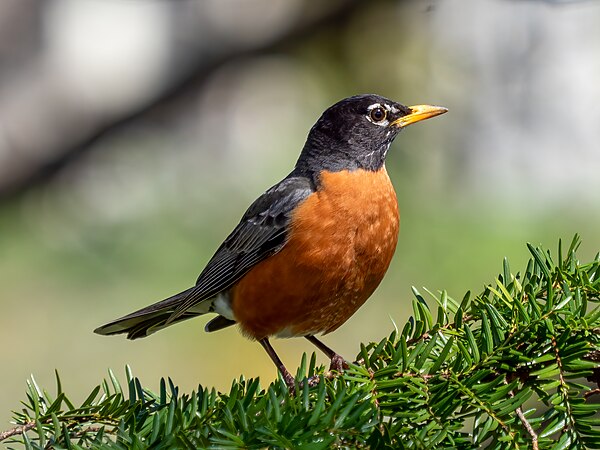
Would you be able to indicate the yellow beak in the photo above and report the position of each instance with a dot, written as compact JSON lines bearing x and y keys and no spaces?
{"x":418,"y":113}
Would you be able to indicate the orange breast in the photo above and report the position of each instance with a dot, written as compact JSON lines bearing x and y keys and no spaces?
{"x":341,"y":241}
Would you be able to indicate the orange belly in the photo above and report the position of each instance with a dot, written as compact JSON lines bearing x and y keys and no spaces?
{"x":340,"y":244}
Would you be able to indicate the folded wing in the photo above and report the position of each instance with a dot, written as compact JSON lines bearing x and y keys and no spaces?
{"x":262,"y":232}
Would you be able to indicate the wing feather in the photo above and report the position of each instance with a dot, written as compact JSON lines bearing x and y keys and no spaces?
{"x":262,"y":231}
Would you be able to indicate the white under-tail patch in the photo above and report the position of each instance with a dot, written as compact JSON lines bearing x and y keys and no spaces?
{"x":222,"y":305}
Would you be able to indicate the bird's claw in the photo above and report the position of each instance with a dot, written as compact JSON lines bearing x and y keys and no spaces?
{"x":338,"y":364}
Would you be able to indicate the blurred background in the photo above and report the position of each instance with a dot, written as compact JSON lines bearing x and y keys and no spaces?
{"x":134,"y":133}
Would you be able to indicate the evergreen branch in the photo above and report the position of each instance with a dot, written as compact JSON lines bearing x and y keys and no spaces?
{"x":563,"y":388}
{"x":529,"y":428}
{"x":460,"y":380}
{"x":15,"y":431}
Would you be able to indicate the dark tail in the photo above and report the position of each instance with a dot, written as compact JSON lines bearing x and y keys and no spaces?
{"x":148,"y":320}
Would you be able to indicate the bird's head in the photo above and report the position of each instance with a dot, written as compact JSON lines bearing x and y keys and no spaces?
{"x":356,"y":132}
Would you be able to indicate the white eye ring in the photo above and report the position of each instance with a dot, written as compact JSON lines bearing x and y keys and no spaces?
{"x":378,"y":114}
{"x":373,"y":116}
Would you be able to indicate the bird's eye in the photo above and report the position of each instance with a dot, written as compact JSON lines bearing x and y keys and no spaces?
{"x":377,"y":114}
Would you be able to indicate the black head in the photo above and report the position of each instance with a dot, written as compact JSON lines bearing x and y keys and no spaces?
{"x":356,"y":133}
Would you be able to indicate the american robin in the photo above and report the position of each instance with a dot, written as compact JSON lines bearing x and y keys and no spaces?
{"x":311,"y":249}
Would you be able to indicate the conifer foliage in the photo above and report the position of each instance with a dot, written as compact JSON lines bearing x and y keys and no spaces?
{"x":516,"y":366}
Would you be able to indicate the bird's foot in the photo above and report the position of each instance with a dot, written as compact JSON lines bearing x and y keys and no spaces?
{"x":337,"y":366}
{"x":290,"y":381}
{"x":312,"y":381}
{"x":338,"y":363}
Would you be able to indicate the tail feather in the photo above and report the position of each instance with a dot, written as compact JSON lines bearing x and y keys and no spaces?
{"x":218,"y":323}
{"x":145,"y":321}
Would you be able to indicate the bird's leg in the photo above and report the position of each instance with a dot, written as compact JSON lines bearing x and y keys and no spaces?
{"x":287,"y":376}
{"x":337,"y":362}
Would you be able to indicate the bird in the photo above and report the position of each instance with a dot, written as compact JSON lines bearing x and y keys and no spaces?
{"x":313,"y":248}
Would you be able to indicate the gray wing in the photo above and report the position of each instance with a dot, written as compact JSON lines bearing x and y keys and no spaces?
{"x":262,"y":232}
